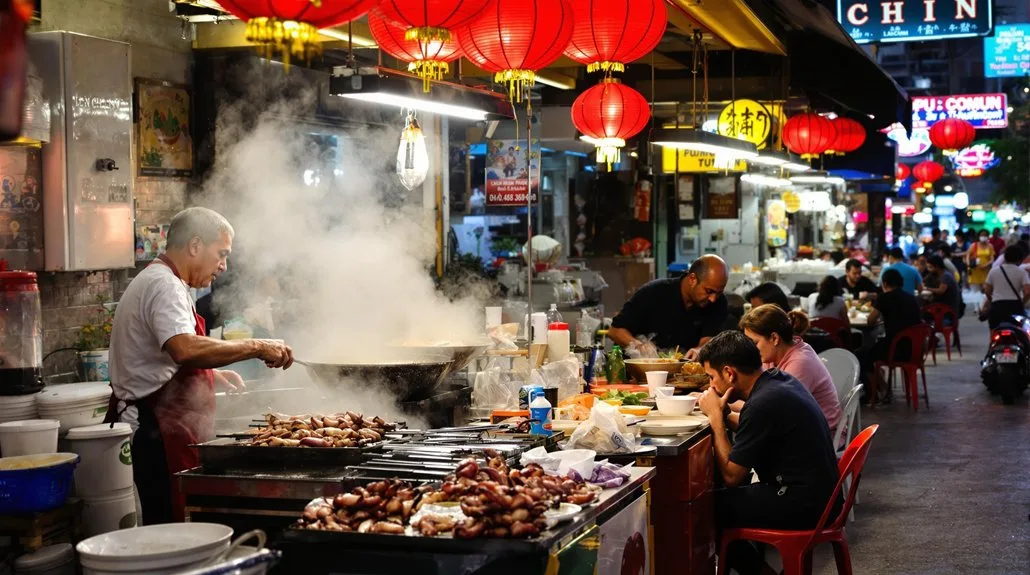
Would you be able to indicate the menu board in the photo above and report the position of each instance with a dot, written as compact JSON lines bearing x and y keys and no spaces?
{"x":722,"y":202}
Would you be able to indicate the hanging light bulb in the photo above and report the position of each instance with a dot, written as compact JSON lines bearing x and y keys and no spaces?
{"x":412,"y":156}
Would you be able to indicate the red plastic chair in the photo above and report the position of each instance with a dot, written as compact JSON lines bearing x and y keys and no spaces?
{"x":918,"y":337}
{"x":796,"y":547}
{"x":839,"y":332}
{"x":940,"y":311}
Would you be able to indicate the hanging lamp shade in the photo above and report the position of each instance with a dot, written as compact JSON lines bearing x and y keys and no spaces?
{"x":808,"y":134}
{"x":431,"y":19}
{"x":850,"y":135}
{"x":952,"y":135}
{"x":928,"y":172}
{"x":902,"y":172}
{"x":608,"y":34}
{"x":608,"y":114}
{"x":515,"y":39}
{"x":290,"y":27}
{"x":427,"y":59}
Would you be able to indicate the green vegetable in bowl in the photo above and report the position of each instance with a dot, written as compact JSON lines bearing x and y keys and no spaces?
{"x":628,"y":398}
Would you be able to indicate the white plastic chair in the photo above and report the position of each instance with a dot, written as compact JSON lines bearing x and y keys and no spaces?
{"x":849,"y":422}
{"x":844,"y":371}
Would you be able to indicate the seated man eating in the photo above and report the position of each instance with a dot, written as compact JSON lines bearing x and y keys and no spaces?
{"x":782,"y":435}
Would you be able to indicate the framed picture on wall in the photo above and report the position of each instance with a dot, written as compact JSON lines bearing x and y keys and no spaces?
{"x":722,"y":202}
{"x":164,"y":146}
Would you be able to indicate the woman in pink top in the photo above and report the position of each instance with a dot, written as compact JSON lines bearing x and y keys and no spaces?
{"x":777,"y":336}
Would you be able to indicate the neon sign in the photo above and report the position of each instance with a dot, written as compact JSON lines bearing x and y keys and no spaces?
{"x":1007,"y":53}
{"x":974,"y":161}
{"x":912,"y":145}
{"x":913,"y":20}
{"x":983,"y":111}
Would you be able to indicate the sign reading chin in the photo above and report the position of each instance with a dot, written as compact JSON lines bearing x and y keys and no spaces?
{"x":914,"y":20}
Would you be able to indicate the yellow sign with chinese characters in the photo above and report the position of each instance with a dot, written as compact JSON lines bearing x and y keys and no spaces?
{"x":690,"y":161}
{"x":746,"y":120}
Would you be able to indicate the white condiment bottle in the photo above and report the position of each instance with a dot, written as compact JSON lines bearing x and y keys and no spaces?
{"x":558,"y":341}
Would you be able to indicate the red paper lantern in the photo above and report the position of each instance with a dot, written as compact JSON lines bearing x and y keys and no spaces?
{"x":850,"y":136}
{"x":952,"y":135}
{"x":610,"y":113}
{"x":514,"y":39}
{"x":808,"y":134}
{"x":928,"y":172}
{"x":431,"y":19}
{"x":608,"y":34}
{"x":902,"y":172}
{"x":428,"y":59}
{"x":291,"y":26}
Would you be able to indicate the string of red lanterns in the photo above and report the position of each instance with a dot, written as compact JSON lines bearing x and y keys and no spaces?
{"x":952,"y":135}
{"x":428,"y":59}
{"x":609,"y":114}
{"x":850,"y":135}
{"x":608,"y":34}
{"x":808,"y":135}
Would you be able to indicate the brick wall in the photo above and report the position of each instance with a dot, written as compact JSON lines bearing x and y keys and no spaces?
{"x":158,"y":52}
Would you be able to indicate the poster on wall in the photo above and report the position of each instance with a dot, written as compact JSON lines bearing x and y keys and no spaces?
{"x":507,"y":170}
{"x":150,"y":242}
{"x":624,"y":542}
{"x":21,"y":216}
{"x":776,"y":223}
{"x":722,"y":201}
{"x":164,"y":147}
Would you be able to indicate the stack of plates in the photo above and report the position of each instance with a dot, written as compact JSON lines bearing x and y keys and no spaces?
{"x":75,"y":404}
{"x":157,"y":549}
{"x":18,"y":407}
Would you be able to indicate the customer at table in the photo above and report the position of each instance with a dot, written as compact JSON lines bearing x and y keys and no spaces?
{"x":778,"y":338}
{"x":1007,"y":289}
{"x":768,"y":292}
{"x":853,"y":282}
{"x":683,"y":312}
{"x":912,"y":279}
{"x":828,"y":301}
{"x":782,"y":435}
{"x":945,"y":289}
{"x":899,"y":310}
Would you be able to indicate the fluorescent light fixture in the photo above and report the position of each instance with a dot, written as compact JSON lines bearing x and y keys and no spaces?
{"x":394,"y":88}
{"x":770,"y":159}
{"x":764,"y":180}
{"x":562,"y":83}
{"x":342,"y":36}
{"x":818,"y":178}
{"x":796,"y":167}
{"x":705,"y":142}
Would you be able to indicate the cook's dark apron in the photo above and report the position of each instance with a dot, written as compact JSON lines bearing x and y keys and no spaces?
{"x":179,"y":414}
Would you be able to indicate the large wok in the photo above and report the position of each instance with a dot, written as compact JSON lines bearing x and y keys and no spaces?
{"x":409,"y":379}
{"x":460,"y":354}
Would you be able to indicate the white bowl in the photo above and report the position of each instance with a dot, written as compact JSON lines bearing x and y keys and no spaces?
{"x":677,"y":405}
{"x":166,"y":548}
{"x":28,"y":437}
{"x":664,"y":390}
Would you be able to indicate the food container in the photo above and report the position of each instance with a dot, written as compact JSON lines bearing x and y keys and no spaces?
{"x":637,"y":368}
{"x":637,"y":410}
{"x":21,"y":333}
{"x":561,"y":462}
{"x":109,"y":512}
{"x":615,"y":402}
{"x":676,"y":405}
{"x":106,"y":452}
{"x":75,"y":404}
{"x":656,"y":379}
{"x":15,"y":407}
{"x":32,"y":483}
{"x":58,"y":559}
{"x":154,"y":550}
{"x":28,"y":437}
{"x":600,"y":390}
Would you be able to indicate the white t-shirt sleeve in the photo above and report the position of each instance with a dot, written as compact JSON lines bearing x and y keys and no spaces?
{"x":168,"y":310}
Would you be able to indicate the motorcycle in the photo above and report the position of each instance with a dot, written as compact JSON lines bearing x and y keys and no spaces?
{"x":1005,"y":370}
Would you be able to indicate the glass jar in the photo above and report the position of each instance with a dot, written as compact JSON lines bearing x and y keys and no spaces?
{"x":21,"y":334}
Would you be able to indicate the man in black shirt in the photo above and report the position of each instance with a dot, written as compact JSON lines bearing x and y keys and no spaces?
{"x":899,"y":310}
{"x":853,"y":282}
{"x":682,"y":312}
{"x":782,"y":435}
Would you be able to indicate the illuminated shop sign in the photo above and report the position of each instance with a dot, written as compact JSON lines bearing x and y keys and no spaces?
{"x":1007,"y":53}
{"x":914,"y":20}
{"x":983,"y":111}
{"x":974,"y":160}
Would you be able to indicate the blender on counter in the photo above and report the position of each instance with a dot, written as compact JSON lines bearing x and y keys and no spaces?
{"x":21,"y":334}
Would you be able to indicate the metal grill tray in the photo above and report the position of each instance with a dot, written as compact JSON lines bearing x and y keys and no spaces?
{"x":225,"y":454}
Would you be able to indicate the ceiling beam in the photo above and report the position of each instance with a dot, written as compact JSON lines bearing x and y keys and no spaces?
{"x":730,"y":20}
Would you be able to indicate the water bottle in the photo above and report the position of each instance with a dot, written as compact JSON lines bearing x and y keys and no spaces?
{"x":540,"y":413}
{"x":595,"y":365}
{"x":584,"y":333}
{"x":616,"y":366}
{"x":553,"y":315}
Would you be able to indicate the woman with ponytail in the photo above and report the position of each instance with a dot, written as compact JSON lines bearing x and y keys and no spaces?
{"x":778,"y":337}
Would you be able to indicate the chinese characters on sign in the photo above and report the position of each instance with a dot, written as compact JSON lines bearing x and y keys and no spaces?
{"x":507,"y":173}
{"x":1007,"y":53}
{"x":914,"y":20}
{"x":746,"y":120}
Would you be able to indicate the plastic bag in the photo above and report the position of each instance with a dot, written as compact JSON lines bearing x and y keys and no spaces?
{"x":563,"y":375}
{"x":641,"y":348}
{"x":496,"y":388}
{"x":604,"y":432}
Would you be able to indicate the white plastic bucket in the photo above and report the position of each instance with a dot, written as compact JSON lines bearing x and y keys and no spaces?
{"x":57,"y":559}
{"x":28,"y":437}
{"x":75,"y":404}
{"x":106,"y":464}
{"x":110,"y":512}
{"x":95,"y":364}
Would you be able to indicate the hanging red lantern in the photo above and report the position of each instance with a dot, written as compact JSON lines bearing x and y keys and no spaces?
{"x":427,"y":59}
{"x":431,"y":19}
{"x":610,"y":34}
{"x":610,"y":113}
{"x":808,"y":134}
{"x":928,"y":172}
{"x":291,"y":26}
{"x":850,"y":136}
{"x":952,"y":135}
{"x":515,"y":39}
{"x":902,"y":172}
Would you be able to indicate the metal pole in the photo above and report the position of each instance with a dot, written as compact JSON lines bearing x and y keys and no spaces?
{"x":529,"y":214}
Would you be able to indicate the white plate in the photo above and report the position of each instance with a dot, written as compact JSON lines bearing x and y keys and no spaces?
{"x":152,"y":548}
{"x":564,"y":512}
{"x":668,"y":427}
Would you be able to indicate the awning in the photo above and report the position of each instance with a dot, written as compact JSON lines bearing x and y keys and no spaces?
{"x":828,"y":64}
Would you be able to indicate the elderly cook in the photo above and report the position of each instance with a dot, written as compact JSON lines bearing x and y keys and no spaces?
{"x":163,"y":374}
{"x":684,"y":312}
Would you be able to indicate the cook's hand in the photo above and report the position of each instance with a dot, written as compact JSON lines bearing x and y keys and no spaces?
{"x":275,"y":353}
{"x":714,"y":405}
{"x":229,"y":380}
{"x":736,"y":406}
{"x":641,"y":350}
{"x":691,"y":354}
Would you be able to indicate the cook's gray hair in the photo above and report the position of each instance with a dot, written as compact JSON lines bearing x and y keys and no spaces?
{"x":203,"y":223}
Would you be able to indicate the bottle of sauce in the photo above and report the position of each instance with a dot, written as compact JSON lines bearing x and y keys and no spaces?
{"x":558,"y":341}
{"x":616,"y":366}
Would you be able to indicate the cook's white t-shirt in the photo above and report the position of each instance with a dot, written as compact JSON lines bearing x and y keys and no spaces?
{"x":156,"y":307}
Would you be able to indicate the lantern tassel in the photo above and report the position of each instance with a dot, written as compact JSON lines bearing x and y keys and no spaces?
{"x":286,"y":37}
{"x":517,"y":81}
{"x":428,"y":34}
{"x":607,"y":67}
{"x":428,"y":70}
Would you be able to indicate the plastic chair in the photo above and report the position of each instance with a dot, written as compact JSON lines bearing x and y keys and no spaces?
{"x":917,"y":336}
{"x":839,"y":332}
{"x":795,"y":547}
{"x":849,"y":419}
{"x":844,"y":369}
{"x":940,"y":311}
